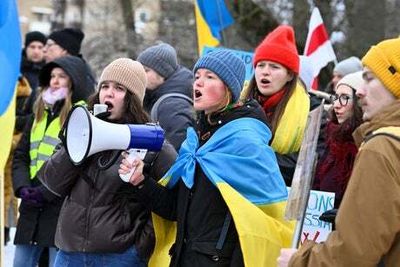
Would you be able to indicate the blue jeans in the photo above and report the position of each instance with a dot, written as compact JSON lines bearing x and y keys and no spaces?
{"x":28,"y":255}
{"x":128,"y":258}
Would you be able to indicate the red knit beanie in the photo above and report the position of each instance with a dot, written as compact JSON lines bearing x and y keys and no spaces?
{"x":279,"y":46}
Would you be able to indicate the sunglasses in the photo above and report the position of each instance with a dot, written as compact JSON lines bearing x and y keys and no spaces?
{"x":343,"y":99}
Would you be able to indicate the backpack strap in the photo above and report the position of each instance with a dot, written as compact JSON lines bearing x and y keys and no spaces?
{"x":390,"y":131}
{"x":154,"y":109}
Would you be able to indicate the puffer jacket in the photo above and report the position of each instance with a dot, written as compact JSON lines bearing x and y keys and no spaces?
{"x":101,"y":213}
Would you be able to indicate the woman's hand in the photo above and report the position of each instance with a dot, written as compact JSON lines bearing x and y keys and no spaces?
{"x":137,"y":164}
{"x":284,"y":258}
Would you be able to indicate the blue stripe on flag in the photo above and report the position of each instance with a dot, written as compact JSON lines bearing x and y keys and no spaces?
{"x":10,"y":51}
{"x":216,"y":15}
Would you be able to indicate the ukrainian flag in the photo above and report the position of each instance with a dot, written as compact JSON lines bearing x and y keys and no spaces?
{"x":10,"y":57}
{"x":212,"y":16}
{"x":239,"y":162}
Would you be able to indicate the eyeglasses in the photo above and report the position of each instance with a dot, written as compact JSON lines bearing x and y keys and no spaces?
{"x":343,"y":99}
{"x":49,"y":44}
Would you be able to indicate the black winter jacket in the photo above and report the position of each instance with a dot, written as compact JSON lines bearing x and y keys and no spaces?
{"x":101,"y":213}
{"x":36,"y":225}
{"x":200,"y":212}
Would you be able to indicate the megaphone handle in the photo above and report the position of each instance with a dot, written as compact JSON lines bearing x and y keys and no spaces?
{"x":133,"y":153}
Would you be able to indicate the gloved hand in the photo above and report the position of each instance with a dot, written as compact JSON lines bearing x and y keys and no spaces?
{"x":32,"y":196}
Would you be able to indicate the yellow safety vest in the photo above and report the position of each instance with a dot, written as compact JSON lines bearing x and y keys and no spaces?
{"x":43,"y":141}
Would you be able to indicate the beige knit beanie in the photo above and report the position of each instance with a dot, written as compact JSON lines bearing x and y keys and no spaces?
{"x":127,"y":72}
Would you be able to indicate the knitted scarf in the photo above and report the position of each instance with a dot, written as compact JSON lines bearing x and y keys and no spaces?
{"x":290,"y":131}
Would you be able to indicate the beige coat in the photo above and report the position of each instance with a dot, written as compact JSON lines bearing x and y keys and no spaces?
{"x":368,"y":221}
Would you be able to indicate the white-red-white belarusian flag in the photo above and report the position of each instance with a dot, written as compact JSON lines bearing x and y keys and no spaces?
{"x":318,"y":46}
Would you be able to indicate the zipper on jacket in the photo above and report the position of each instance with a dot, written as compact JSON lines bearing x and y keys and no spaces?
{"x":89,"y":209}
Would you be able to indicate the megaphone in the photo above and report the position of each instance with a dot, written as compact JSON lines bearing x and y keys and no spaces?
{"x":86,"y":135}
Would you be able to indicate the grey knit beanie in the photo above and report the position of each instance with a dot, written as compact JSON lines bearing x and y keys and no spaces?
{"x":128,"y":73}
{"x":161,"y":58}
{"x":228,"y":67}
{"x":347,"y":66}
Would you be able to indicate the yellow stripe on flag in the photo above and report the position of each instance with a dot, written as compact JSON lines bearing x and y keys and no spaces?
{"x":7,"y":123}
{"x":261,"y":235}
{"x":204,"y":36}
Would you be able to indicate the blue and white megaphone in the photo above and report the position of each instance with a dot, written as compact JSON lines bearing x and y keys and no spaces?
{"x":86,"y":135}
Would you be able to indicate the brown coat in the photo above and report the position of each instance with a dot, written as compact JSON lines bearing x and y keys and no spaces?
{"x":368,"y":222}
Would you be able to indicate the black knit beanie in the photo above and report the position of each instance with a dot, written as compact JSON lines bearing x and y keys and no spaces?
{"x":69,"y":39}
{"x":34,"y":36}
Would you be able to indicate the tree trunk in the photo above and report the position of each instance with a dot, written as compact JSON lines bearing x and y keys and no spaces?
{"x":301,"y":17}
{"x":366,"y":25}
{"x":128,"y":16}
{"x":58,"y":22}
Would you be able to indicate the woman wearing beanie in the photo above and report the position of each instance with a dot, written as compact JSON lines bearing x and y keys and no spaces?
{"x":61,"y":87}
{"x":224,"y":191}
{"x":285,"y":101}
{"x":101,"y":222}
{"x":334,"y":168}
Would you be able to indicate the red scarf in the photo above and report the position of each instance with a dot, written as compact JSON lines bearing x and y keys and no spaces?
{"x":269,"y":103}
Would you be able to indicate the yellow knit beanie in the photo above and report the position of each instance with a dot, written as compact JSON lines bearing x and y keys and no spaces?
{"x":384,"y":61}
{"x":129,"y":73}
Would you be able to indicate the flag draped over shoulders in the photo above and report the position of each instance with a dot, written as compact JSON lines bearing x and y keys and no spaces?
{"x":239,"y":162}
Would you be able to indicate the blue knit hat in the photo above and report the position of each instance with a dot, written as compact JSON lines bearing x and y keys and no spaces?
{"x":228,"y":67}
{"x":161,"y":58}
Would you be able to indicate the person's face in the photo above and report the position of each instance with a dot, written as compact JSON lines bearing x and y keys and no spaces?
{"x":34,"y":51}
{"x":59,"y":79}
{"x":271,"y":77}
{"x":53,"y":51}
{"x":154,"y":80}
{"x":343,"y":103}
{"x":209,"y":91}
{"x":336,"y":78}
{"x":373,"y":95}
{"x":112,"y":94}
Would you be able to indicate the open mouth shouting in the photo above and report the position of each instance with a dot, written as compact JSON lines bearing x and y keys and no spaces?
{"x":265,"y":81}
{"x":109,"y":106}
{"x":197,"y":94}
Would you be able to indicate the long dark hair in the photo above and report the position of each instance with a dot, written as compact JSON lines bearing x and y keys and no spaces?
{"x":343,"y":131}
{"x":133,"y":112}
{"x":254,"y":93}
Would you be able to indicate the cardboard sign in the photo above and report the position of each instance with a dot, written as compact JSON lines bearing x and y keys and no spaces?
{"x":313,"y":228}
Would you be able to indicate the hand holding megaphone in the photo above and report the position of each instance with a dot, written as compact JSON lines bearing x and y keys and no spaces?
{"x":130,"y":156}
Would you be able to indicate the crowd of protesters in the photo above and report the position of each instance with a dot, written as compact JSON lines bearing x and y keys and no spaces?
{"x":215,"y":195}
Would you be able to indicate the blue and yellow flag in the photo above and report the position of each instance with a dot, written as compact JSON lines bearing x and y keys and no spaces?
{"x":239,"y":162}
{"x":10,"y":57}
{"x":211,"y":18}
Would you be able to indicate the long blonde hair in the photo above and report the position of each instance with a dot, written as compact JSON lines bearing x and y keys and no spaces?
{"x":40,"y":107}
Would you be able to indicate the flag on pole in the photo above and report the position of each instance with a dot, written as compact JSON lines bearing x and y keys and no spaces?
{"x":211,"y":18}
{"x":318,"y":46}
{"x":10,"y":56}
